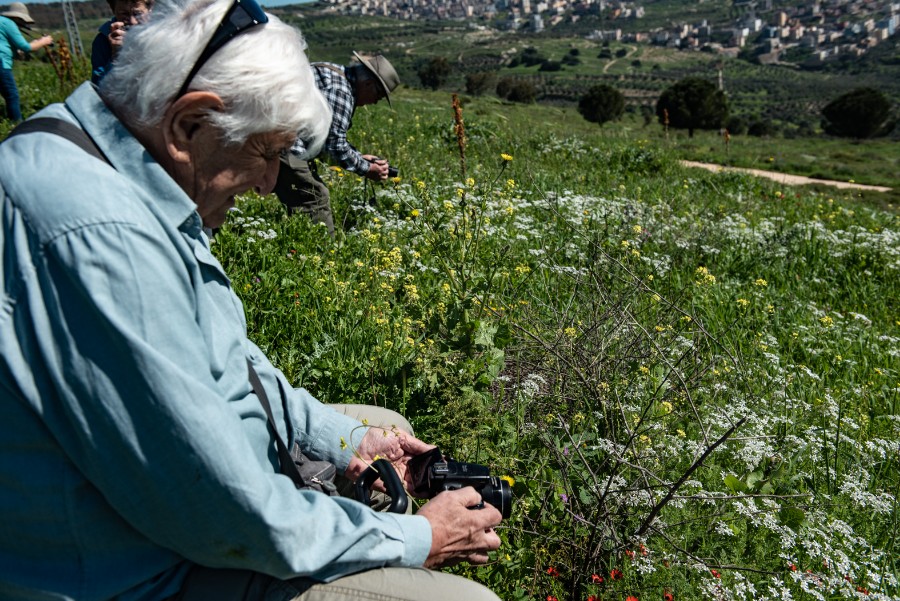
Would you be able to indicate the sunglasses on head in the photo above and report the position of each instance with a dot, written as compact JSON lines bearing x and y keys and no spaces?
{"x":243,"y":15}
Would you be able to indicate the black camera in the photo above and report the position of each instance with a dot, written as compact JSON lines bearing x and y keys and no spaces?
{"x":433,"y":473}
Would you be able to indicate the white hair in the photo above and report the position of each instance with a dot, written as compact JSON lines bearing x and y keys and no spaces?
{"x":262,"y":75}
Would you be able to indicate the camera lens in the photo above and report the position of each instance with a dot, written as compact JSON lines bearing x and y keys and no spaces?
{"x":498,"y":493}
{"x":393,"y":171}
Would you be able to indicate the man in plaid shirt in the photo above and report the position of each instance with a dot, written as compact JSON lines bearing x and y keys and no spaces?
{"x":363,"y":82}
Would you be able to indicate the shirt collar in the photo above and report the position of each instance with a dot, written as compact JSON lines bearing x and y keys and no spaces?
{"x":129,"y":157}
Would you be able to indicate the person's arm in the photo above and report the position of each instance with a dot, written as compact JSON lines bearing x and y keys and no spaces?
{"x":101,"y":56}
{"x":41,"y":42}
{"x":19,"y":42}
{"x":340,"y":98}
{"x":170,"y":445}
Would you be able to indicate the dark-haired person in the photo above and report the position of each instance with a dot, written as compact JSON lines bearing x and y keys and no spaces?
{"x":365,"y":81}
{"x":137,"y":462}
{"x":11,"y":40}
{"x":111,"y":35}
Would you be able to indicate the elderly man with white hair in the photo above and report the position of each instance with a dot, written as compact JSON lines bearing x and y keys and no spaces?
{"x":137,"y":460}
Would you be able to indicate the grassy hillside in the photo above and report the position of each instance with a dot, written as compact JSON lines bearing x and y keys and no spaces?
{"x":691,"y":379}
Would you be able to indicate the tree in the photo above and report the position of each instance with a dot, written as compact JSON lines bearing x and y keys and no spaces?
{"x":479,"y":83}
{"x":602,"y":103}
{"x":435,"y":72}
{"x":862,"y":113}
{"x":693,"y":103}
{"x":516,"y":90}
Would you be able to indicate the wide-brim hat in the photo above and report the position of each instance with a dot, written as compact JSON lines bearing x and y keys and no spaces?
{"x":383,"y":71}
{"x":17,"y":10}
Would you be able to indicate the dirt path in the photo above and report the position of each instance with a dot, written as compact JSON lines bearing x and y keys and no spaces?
{"x":785,"y":178}
{"x":631,"y":50}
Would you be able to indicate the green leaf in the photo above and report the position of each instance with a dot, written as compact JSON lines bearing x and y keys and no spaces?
{"x":735,"y":484}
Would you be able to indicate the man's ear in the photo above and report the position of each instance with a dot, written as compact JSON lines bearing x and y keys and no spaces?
{"x":185,"y":121}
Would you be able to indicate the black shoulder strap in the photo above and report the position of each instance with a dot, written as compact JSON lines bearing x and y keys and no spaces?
{"x":62,"y":128}
{"x":288,"y":467}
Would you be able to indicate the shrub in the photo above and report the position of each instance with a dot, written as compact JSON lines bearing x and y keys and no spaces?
{"x":435,"y":73}
{"x":602,"y":103}
{"x":861,"y":113}
{"x":479,"y":83}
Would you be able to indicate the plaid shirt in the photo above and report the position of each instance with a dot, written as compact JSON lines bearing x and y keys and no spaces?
{"x":332,"y":82}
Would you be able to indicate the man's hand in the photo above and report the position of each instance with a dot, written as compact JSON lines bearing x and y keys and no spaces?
{"x":378,"y":168}
{"x":116,"y":36}
{"x":395,"y":445}
{"x":458,"y":533}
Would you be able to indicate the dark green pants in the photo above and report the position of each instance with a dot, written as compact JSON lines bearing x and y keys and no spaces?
{"x":300,"y":188}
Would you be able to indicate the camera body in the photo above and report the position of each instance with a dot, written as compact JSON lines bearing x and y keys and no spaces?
{"x":434,"y":473}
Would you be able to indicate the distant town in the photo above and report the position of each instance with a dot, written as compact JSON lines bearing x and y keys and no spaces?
{"x":811,"y":32}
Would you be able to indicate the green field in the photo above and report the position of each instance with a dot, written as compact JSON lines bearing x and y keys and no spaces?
{"x":692,"y":379}
{"x":589,"y":318}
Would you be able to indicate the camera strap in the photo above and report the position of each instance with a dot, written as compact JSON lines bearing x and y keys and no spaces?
{"x":288,"y":467}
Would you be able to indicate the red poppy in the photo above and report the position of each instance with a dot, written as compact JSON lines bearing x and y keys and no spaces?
{"x":667,"y":596}
{"x":631,"y":598}
{"x":596,"y":578}
{"x":862,"y":590}
{"x":615,"y":575}
{"x":551,"y":598}
{"x":629,"y":553}
{"x":644,"y":551}
{"x":553,"y":571}
{"x":593,"y":598}
{"x":793,"y":567}
{"x":715,"y":573}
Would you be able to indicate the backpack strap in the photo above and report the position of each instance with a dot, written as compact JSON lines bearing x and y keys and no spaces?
{"x":62,"y":128}
{"x":334,"y":68}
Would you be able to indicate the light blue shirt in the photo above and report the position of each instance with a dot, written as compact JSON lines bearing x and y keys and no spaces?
{"x":11,"y":39}
{"x":131,"y":443}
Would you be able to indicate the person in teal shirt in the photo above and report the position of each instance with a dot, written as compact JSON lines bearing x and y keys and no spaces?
{"x":11,"y":40}
{"x":135,"y":459}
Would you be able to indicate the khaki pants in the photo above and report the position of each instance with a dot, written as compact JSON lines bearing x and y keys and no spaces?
{"x":300,"y":188}
{"x":383,"y":584}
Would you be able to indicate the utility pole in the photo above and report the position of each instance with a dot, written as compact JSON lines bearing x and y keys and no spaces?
{"x":72,"y":28}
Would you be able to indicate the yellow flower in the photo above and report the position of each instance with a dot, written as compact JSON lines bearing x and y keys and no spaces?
{"x":743,"y":302}
{"x":506,"y":157}
{"x":826,"y":321}
{"x":637,"y":229}
{"x":343,"y":443}
{"x":761,"y":282}
{"x":508,"y":479}
{"x":571,"y":332}
{"x":414,"y":212}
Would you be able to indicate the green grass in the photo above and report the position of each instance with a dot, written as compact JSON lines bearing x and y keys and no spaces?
{"x":590,"y":319}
